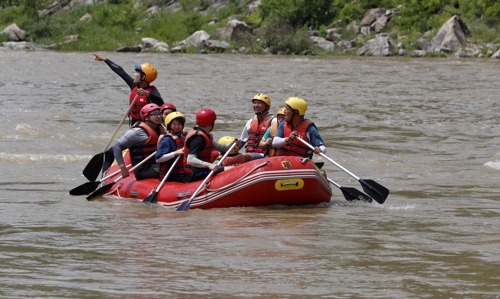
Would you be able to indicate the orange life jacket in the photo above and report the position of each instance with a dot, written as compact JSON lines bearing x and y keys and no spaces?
{"x":295,"y":147}
{"x":274,"y":128}
{"x":256,"y":132}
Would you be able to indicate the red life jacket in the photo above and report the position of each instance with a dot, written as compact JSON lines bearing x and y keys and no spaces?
{"x":165,"y":166}
{"x":206,"y":154}
{"x":256,"y":132}
{"x":295,"y":147}
{"x":140,"y":102}
{"x":139,"y":153}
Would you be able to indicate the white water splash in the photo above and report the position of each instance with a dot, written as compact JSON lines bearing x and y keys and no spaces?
{"x":495,"y":164}
{"x":41,"y":158}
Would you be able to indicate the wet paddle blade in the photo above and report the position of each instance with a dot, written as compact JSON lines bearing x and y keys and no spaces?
{"x":375,"y":190}
{"x":352,"y":194}
{"x":92,"y":170}
{"x":84,"y":189}
{"x":151,"y":198}
{"x":184,"y":206}
{"x":101,"y":191}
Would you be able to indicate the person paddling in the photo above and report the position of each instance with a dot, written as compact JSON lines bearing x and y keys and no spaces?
{"x":296,"y":124}
{"x":171,"y":145}
{"x":199,"y":146}
{"x":256,"y":127}
{"x":139,"y":85}
{"x":142,"y":141}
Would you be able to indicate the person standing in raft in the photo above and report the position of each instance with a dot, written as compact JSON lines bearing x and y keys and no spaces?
{"x":296,"y":124}
{"x":267,"y":140}
{"x":257,"y":126}
{"x":142,"y":141}
{"x":170,"y":145}
{"x":199,"y":146}
{"x":144,"y":75}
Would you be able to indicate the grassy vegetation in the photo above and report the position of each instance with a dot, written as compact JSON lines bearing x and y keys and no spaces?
{"x":280,"y":25}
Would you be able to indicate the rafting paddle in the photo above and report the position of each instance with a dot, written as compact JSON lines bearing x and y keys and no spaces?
{"x":184,"y":206}
{"x":89,"y":187}
{"x":153,"y":197}
{"x":104,"y":189}
{"x":372,"y":188}
{"x":93,"y":168}
{"x":351,"y":194}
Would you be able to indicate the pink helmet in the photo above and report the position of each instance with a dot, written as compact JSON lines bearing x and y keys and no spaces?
{"x":168,"y":106}
{"x":147,"y":109}
{"x":205,"y":117}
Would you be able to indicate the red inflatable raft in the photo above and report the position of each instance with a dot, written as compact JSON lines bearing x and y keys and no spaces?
{"x":270,"y":181}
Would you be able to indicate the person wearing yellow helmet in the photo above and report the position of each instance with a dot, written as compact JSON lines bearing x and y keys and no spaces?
{"x":256,"y":127}
{"x":296,"y":124}
{"x":139,"y":85}
{"x":267,"y":140}
{"x":234,"y":157}
{"x":171,"y":145}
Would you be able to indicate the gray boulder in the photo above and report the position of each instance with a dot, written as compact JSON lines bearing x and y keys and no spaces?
{"x":15,"y":33}
{"x":194,"y":40}
{"x":452,"y":35}
{"x":233,"y":29}
{"x":382,"y":45}
{"x":215,"y":45}
{"x":323,"y":43}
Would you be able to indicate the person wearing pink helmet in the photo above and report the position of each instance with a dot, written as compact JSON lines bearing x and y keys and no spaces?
{"x":141,"y":140}
{"x":140,"y":85}
{"x":199,"y":147}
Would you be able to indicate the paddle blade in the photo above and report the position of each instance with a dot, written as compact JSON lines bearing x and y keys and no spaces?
{"x":375,"y":190}
{"x":352,"y":194}
{"x":151,"y":198}
{"x":92,"y":170}
{"x":84,"y":189}
{"x":184,"y":206}
{"x":101,"y":191}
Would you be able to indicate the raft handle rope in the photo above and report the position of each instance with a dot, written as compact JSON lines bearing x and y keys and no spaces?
{"x":117,"y":190}
{"x":240,"y":179}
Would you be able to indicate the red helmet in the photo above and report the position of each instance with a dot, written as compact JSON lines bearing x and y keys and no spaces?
{"x":168,"y":106}
{"x":205,"y":117}
{"x":147,"y":109}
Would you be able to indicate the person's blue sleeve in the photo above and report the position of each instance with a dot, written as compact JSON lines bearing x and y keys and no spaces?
{"x":281,"y":131}
{"x":167,"y":145}
{"x":267,"y":134}
{"x":315,"y":137}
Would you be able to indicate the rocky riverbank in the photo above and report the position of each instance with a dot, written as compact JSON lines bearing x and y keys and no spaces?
{"x":372,"y":35}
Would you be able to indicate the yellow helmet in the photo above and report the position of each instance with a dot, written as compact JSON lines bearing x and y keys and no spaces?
{"x":281,"y":111}
{"x":262,"y":97}
{"x":229,"y":140}
{"x":297,"y":103}
{"x":171,"y":116}
{"x":148,"y":70}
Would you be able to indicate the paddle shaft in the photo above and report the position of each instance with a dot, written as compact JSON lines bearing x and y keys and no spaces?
{"x":135,"y":167}
{"x":328,"y":158}
{"x":121,"y":123}
{"x":185,"y":207}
